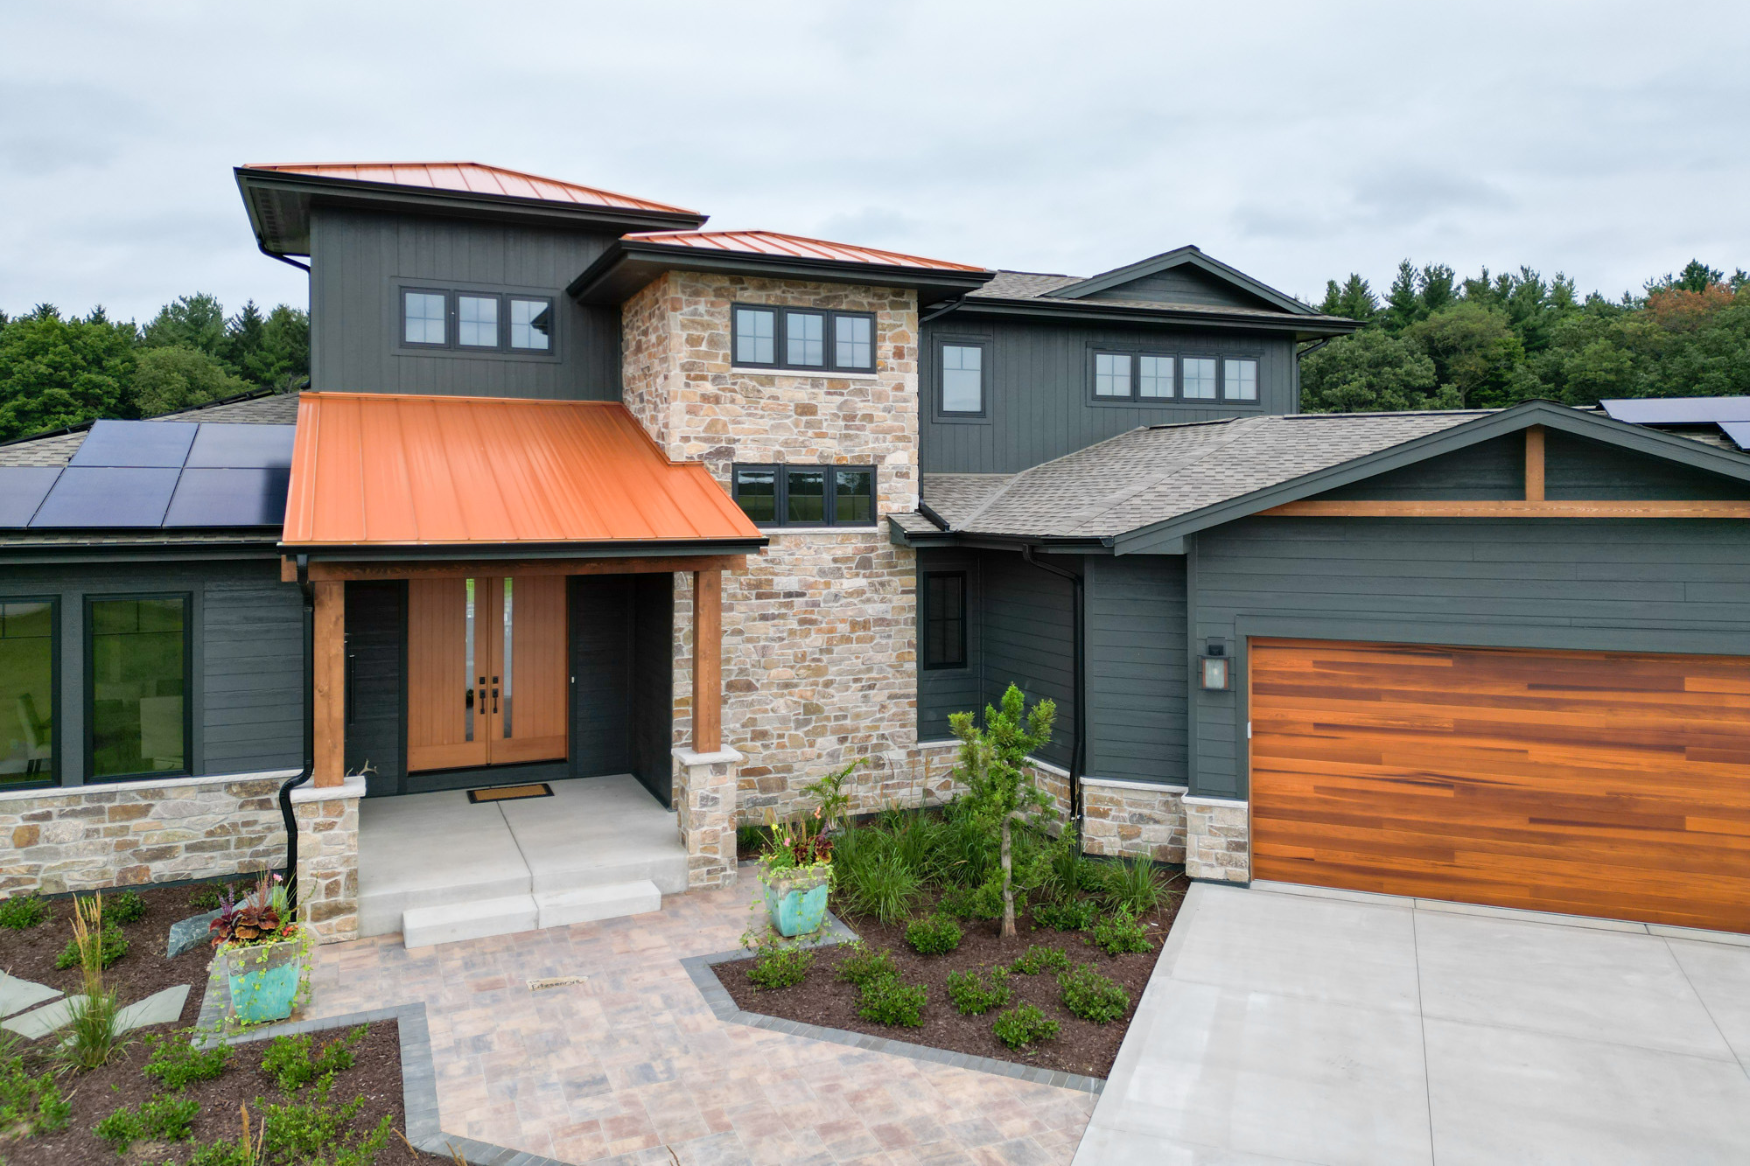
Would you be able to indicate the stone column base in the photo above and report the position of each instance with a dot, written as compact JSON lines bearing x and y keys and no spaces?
{"x":1218,"y":843}
{"x":1133,"y":817}
{"x":705,"y":803}
{"x":328,"y":858}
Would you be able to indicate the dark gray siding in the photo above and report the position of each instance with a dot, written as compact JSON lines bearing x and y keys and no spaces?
{"x":360,"y":262}
{"x":246,"y":698}
{"x":1136,"y":667}
{"x":1641,"y":586}
{"x":376,"y":727}
{"x":1040,"y":398}
{"x":653,"y":684}
{"x":942,"y":691}
{"x":601,"y":675}
{"x":1488,"y":470}
{"x":1183,"y":285}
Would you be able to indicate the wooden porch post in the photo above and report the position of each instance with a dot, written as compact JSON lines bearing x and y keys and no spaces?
{"x":330,"y":684}
{"x":707,"y":661}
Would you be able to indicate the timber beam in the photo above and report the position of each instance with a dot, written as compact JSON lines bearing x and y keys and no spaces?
{"x":341,"y":570}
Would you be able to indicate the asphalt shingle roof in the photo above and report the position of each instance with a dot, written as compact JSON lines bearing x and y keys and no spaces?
{"x":58,"y":450}
{"x":1037,"y":287}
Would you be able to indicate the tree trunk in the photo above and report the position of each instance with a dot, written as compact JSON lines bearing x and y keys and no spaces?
{"x":1008,"y":931}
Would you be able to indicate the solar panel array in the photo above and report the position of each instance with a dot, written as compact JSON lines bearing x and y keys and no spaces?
{"x":1679,"y":410}
{"x":131,"y":475}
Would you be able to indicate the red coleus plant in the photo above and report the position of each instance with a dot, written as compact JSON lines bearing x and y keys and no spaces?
{"x":261,"y":916}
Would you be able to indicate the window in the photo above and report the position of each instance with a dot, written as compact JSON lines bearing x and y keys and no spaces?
{"x":1111,"y":374}
{"x":945,"y":619}
{"x":816,"y":341}
{"x":28,"y":646}
{"x":806,"y":495}
{"x":963,"y":378}
{"x":136,"y":686}
{"x":424,"y":313}
{"x":1155,"y":377}
{"x":531,"y":323}
{"x":477,"y":321}
{"x":1239,"y":380}
{"x":1199,"y":379}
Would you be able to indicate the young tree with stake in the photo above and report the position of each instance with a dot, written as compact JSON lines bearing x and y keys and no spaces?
{"x":1000,"y":786}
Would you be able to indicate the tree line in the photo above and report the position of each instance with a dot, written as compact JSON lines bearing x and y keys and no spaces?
{"x":1439,"y":342}
{"x":57,"y":371}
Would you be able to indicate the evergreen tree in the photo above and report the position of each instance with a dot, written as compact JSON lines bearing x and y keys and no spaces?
{"x":196,"y":322}
{"x":57,"y":372}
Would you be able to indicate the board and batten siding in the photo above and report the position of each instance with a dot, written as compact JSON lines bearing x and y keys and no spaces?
{"x":1584,"y":585}
{"x":1136,"y":667}
{"x":361,"y":261}
{"x":376,"y":722}
{"x":1040,"y":399}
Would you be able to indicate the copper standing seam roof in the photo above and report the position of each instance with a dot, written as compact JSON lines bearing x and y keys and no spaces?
{"x":372,"y":469}
{"x":794,"y":246}
{"x":469,"y":178}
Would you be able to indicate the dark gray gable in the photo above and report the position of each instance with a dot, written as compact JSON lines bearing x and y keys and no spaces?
{"x":1184,"y":276}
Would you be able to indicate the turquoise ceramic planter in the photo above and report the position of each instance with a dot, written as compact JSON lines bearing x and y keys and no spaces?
{"x":797,"y":906}
{"x":265,"y":980}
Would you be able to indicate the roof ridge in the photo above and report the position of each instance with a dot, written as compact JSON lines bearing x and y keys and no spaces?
{"x":835,"y":244}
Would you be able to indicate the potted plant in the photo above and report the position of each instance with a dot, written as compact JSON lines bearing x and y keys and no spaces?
{"x":263,"y":953}
{"x":797,"y":872}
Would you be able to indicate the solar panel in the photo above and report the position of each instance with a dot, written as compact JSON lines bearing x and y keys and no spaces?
{"x":135,"y":443}
{"x":102,"y":497}
{"x":1679,"y":410}
{"x":209,"y":497}
{"x":1738,"y":431}
{"x":22,"y":490}
{"x":242,"y":447}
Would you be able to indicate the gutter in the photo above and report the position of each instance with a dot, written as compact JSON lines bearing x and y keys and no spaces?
{"x":1078,"y":739}
{"x":290,"y":874}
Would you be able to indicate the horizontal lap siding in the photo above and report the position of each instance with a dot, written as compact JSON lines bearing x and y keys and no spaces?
{"x":252,"y":674}
{"x":1136,"y":668}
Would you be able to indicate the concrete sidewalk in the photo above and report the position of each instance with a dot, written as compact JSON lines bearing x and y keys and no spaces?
{"x":1299,"y":1025}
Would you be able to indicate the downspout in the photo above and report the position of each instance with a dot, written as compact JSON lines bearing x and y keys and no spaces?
{"x":944,"y":309}
{"x":303,"y":267}
{"x":1078,"y":739}
{"x":290,"y":874}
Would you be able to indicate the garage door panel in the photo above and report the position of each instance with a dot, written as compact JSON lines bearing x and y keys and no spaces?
{"x":1592,"y":783}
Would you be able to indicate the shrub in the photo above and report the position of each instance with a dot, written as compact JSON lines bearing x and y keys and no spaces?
{"x":917,"y":839}
{"x":1067,"y":915}
{"x":22,"y":912}
{"x":126,"y":908}
{"x":1119,"y":932}
{"x":890,"y":1000}
{"x":1022,"y":1026}
{"x":210,"y":897}
{"x":112,"y":946}
{"x":933,"y":935}
{"x":318,"y":1133}
{"x":864,"y":965}
{"x":981,"y":902}
{"x":294,"y":1061}
{"x":174,"y":1062}
{"x":30,"y":1101}
{"x":162,"y":1119}
{"x":1038,"y":959}
{"x":878,"y":882}
{"x":780,"y":967}
{"x":973,"y":995}
{"x":1091,"y":996}
{"x":1067,"y":869}
{"x":1131,"y":882}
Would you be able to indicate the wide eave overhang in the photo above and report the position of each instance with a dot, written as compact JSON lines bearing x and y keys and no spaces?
{"x":1115,"y":311}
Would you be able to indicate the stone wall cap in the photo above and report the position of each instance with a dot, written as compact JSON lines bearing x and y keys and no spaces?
{"x":73,"y":792}
{"x":946,"y":743}
{"x":1047,"y":767}
{"x":722,"y":757}
{"x":1189,"y":800}
{"x":1158,"y":787}
{"x":352,"y":787}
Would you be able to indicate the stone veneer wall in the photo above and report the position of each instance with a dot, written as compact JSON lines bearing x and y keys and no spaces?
{"x":819,"y":641}
{"x":328,"y":857}
{"x":1133,"y":818}
{"x":1218,"y":839}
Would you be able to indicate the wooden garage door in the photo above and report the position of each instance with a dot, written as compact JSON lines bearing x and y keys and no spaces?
{"x":1590,"y":783}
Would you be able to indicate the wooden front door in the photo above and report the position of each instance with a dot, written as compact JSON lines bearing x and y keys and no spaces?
{"x":486,"y":671}
{"x":1589,"y":783}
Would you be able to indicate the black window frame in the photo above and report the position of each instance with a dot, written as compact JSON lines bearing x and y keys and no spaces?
{"x":500,"y":320}
{"x":927,"y":616}
{"x":453,"y":346}
{"x":53,"y":777}
{"x":1172,"y":377}
{"x":88,"y":697}
{"x":829,"y":507}
{"x":1130,"y":381}
{"x":780,"y":362}
{"x":986,"y":348}
{"x":401,"y":325}
{"x":1257,"y":380}
{"x":552,"y":312}
{"x":1213,"y":357}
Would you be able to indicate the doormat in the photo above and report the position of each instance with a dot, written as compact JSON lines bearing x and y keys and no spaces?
{"x":510,"y":793}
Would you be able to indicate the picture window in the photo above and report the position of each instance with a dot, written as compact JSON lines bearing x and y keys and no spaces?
{"x":806,"y":495}
{"x":808,"y":341}
{"x":962,"y":378}
{"x":136,"y":686}
{"x":29,"y":647}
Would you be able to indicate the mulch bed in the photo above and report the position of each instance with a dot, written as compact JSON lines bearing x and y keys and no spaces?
{"x":1081,"y":1047}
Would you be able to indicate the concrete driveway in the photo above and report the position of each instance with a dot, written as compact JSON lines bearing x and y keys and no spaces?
{"x":1291,"y":1024}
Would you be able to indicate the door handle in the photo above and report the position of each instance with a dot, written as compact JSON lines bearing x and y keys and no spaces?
{"x":495,"y":700}
{"x":468,"y":699}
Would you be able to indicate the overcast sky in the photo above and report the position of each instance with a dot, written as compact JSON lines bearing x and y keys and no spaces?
{"x":1295,"y":141}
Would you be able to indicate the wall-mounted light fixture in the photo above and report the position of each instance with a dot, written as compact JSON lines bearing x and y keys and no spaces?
{"x":1215,"y":670}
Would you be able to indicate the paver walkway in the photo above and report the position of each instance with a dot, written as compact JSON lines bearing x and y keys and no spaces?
{"x":633,"y":1060}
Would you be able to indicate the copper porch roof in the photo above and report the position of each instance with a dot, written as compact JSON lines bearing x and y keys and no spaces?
{"x":383,"y":469}
{"x":469,"y":178}
{"x":793,"y":246}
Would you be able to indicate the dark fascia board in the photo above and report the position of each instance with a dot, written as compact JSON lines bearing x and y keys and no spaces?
{"x":301,"y":190}
{"x":1549,"y":414}
{"x":1116,"y":311}
{"x":630,"y":264}
{"x":22,"y":554}
{"x":617,"y":549}
{"x":1047,"y":545}
{"x":1180,"y":257}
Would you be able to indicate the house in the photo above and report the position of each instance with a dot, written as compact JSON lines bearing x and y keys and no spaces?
{"x":666,"y":522}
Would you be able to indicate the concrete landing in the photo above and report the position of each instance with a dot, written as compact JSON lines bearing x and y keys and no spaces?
{"x":476,"y":870}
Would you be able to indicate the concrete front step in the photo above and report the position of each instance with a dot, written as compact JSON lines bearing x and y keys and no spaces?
{"x":509,"y":914}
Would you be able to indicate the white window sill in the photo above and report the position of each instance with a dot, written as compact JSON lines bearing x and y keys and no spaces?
{"x":805,"y":374}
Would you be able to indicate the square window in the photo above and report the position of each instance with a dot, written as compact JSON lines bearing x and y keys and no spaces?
{"x":756,"y":492}
{"x":1239,"y":380}
{"x":853,"y":497}
{"x":1199,"y":379}
{"x":805,"y":497}
{"x":855,"y":341}
{"x":27,"y":691}
{"x":755,"y":336}
{"x":1154,"y":377}
{"x":136,"y":685}
{"x":1111,"y":374}
{"x":804,"y":339}
{"x":962,"y":378}
{"x":945,"y":620}
{"x":424,"y":322}
{"x":531,"y":324}
{"x":477,"y":321}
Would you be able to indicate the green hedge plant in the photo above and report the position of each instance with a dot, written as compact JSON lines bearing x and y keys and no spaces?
{"x":22,"y":912}
{"x":1039,"y":958}
{"x":890,"y":1000}
{"x":975,"y":993}
{"x":1092,"y":996}
{"x":175,"y":1063}
{"x":1024,"y":1025}
{"x":1119,"y":932}
{"x":780,"y":967}
{"x":933,"y":935}
{"x":865,"y":964}
{"x":162,"y":1119}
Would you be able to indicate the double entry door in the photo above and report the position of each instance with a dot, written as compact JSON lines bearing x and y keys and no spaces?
{"x":486,"y":671}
